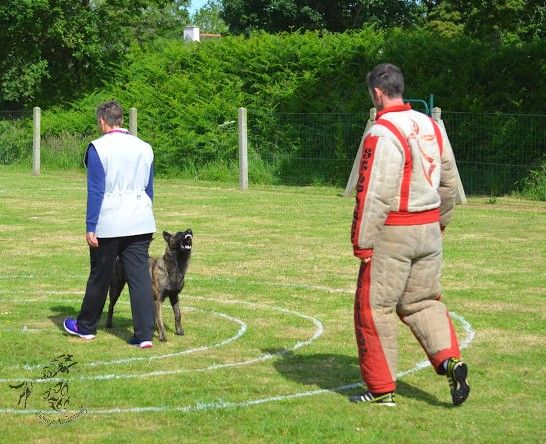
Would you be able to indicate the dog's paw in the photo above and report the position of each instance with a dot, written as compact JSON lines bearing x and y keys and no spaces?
{"x":163,"y":339}
{"x":108,"y":325}
{"x":180,"y":332}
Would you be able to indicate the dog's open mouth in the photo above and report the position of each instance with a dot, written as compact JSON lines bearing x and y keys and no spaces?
{"x":187,"y":242}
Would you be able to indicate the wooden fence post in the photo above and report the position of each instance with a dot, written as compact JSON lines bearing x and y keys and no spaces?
{"x":243,"y":150}
{"x":36,"y":138}
{"x":353,"y":177}
{"x":133,"y":124}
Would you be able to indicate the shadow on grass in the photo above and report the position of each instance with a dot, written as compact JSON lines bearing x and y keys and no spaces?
{"x":59,"y":313}
{"x":327,"y":371}
{"x":409,"y":391}
{"x":332,"y":372}
{"x":122,"y":327}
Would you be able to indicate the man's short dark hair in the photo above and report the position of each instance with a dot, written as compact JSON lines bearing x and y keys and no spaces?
{"x":111,"y":112}
{"x":388,"y":78}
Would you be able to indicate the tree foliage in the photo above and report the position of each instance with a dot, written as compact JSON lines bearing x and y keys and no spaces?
{"x":209,"y":18}
{"x":244,"y":16}
{"x":59,"y":51}
{"x":492,"y":20}
{"x":188,"y":94}
{"x":53,"y":50}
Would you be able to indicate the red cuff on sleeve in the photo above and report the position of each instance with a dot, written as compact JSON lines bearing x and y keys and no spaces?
{"x":363,"y":253}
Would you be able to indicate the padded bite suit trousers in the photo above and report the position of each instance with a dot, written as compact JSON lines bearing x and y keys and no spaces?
{"x":402,"y":278}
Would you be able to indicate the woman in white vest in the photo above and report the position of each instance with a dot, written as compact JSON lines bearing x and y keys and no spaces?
{"x":120,"y":222}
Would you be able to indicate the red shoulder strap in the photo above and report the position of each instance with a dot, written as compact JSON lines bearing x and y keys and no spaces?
{"x":406,"y":176}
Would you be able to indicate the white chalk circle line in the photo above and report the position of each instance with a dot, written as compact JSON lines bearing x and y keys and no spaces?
{"x":220,"y":404}
{"x":317,"y":333}
{"x":242,"y":329}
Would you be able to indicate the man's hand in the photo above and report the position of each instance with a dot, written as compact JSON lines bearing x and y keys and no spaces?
{"x":366,"y":260}
{"x":91,"y":240}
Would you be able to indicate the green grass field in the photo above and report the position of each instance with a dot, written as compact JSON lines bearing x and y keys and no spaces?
{"x":269,"y":353}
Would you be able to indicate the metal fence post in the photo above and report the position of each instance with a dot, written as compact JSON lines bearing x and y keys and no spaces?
{"x":436,"y":114}
{"x":133,"y":121}
{"x":36,"y":137}
{"x":243,"y":150}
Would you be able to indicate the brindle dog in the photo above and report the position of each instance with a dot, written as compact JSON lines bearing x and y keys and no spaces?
{"x":168,"y":273}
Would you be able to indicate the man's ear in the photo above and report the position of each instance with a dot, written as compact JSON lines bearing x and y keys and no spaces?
{"x":167,"y":236}
{"x":377,"y":93}
{"x":101,"y":123}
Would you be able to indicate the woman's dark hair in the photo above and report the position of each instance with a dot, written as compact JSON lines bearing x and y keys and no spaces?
{"x":111,"y":112}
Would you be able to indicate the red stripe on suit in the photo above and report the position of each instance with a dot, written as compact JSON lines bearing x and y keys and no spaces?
{"x":406,"y":175}
{"x":373,"y":363}
{"x":366,"y":162}
{"x":452,"y":352}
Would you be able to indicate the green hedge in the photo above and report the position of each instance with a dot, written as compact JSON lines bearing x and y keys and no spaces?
{"x":188,"y":94}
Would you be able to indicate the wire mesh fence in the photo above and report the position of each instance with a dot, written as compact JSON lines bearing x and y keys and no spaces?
{"x":15,"y":136}
{"x":494,"y":151}
{"x":304,"y":149}
{"x":65,"y":149}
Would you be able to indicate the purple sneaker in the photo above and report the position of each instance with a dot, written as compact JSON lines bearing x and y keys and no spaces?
{"x":71,"y":326}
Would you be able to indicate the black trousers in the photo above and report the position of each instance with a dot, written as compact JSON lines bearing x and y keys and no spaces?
{"x":133,"y":253}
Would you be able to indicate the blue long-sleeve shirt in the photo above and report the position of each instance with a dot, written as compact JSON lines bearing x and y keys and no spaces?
{"x":96,"y":177}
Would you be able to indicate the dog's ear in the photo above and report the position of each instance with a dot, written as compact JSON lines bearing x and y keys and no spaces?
{"x":189,"y":231}
{"x":167,"y":236}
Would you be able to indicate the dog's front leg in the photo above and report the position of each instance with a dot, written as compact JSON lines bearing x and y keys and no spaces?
{"x":114,"y":295}
{"x":110,"y":314}
{"x":159,"y":320}
{"x":116,"y":286}
{"x":177,"y":316}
